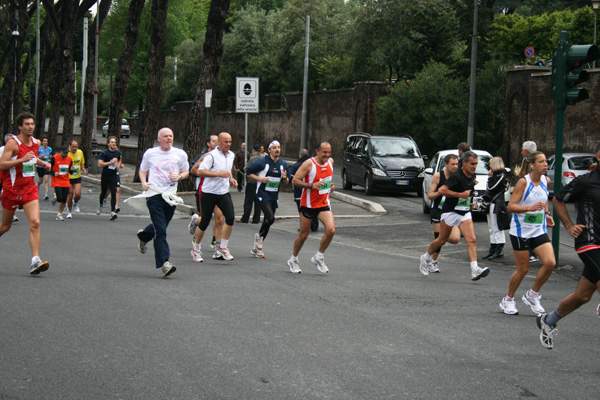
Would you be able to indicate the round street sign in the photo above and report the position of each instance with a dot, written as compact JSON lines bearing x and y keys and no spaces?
{"x":529,"y":52}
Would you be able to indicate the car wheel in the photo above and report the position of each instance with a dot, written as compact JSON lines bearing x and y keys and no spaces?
{"x":368,"y":185}
{"x":426,"y":209}
{"x":346,"y":184}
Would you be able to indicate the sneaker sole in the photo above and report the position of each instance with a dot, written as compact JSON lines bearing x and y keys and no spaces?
{"x":483,"y":274}
{"x":319,"y":268}
{"x":141,"y":244}
{"x":256,"y":255}
{"x":538,"y":321}
{"x":41,"y":268}
{"x":530,"y":304}
{"x":508,"y":313}
{"x":173,"y":269}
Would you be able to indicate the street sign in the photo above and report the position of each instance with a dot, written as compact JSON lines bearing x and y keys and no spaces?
{"x":529,"y":52}
{"x":246,"y":96}
{"x":207,"y":97}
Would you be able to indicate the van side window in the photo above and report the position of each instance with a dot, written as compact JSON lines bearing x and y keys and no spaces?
{"x":364,"y":148}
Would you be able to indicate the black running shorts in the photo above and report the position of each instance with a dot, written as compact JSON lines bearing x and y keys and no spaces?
{"x":591,"y":265}
{"x":523,"y":244}
{"x":311,"y":213}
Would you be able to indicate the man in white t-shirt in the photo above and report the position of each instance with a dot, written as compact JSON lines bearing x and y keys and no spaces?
{"x":161,"y":169}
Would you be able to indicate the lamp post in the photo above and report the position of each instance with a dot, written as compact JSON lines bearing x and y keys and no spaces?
{"x":595,"y":6}
{"x":15,"y":35}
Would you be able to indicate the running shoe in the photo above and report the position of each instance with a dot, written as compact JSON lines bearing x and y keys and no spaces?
{"x":168,"y":269}
{"x":294,"y":266}
{"x":99,"y":209}
{"x":113,"y":215}
{"x":547,"y":332}
{"x":257,"y":252}
{"x":478,"y":272}
{"x":59,"y":217}
{"x":197,"y":255}
{"x":258,"y":241}
{"x":598,"y":310}
{"x":54,"y":199}
{"x":534,"y":303}
{"x":533,"y":258}
{"x":320,"y":263}
{"x":433,"y":267}
{"x":76,"y":209}
{"x":192,"y":225}
{"x":15,"y":218}
{"x":38,"y":266}
{"x":141,"y":245}
{"x":509,"y":306}
{"x":69,"y":215}
{"x":46,"y":196}
{"x":213,"y":243}
{"x":117,"y":210}
{"x":424,"y":266}
{"x":217,"y":255}
{"x":224,"y":253}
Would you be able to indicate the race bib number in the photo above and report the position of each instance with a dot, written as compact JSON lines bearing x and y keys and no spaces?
{"x":29,"y":168}
{"x":113,"y":165}
{"x":534,"y":218}
{"x":273,"y":184}
{"x":326,"y":186}
{"x":463,"y":205}
{"x":75,"y":170}
{"x":63,"y":169}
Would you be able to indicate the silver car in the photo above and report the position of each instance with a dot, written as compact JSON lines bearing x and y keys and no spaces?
{"x":574,"y":164}
{"x":125,"y":132}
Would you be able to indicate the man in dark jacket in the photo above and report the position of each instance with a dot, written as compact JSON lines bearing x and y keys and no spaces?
{"x":314,"y":225}
{"x":250,"y":193}
{"x":240,"y":166}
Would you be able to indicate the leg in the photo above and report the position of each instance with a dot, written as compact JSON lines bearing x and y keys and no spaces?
{"x":442,"y":238}
{"x":454,"y":237}
{"x":7,"y":220}
{"x":207,"y":205}
{"x":302,"y":235}
{"x":256,"y":216}
{"x":218,"y":224}
{"x":468,"y":231}
{"x":47,"y":182}
{"x":70,"y":197}
{"x":226,"y":205}
{"x":522,"y":261}
{"x":546,"y":253}
{"x":32,"y":211}
{"x":161,"y":214}
{"x":104,"y":180}
{"x":326,"y":217}
{"x":582,"y":294}
{"x":269,"y":219}
{"x":436,"y":234}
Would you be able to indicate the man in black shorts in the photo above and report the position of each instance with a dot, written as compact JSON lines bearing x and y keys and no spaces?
{"x":585,"y":192}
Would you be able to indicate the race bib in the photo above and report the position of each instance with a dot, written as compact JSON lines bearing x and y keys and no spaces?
{"x":442,"y":202}
{"x":326,"y":187}
{"x":113,"y":165}
{"x":75,"y":170}
{"x":463,"y":205}
{"x":532,"y":218}
{"x":273,"y":184}
{"x":63,"y":169}
{"x":29,"y":168}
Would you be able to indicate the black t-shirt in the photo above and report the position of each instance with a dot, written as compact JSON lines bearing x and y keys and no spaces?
{"x":106,"y":156}
{"x":442,"y":182}
{"x":458,"y":182}
{"x":585,"y":192}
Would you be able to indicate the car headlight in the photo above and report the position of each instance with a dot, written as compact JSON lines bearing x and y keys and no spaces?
{"x":378,"y":172}
{"x":421,"y":174}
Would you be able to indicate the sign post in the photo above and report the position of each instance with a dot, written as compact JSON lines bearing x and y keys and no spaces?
{"x":246,"y":101}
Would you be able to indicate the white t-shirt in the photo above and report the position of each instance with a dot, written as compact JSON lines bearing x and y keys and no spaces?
{"x":216,"y":161}
{"x":159,"y":164}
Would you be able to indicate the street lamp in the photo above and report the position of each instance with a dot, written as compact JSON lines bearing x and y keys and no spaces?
{"x":595,"y":6}
{"x":15,"y":35}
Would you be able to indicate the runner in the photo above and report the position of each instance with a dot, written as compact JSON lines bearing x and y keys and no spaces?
{"x":161,"y":169}
{"x":61,"y":166}
{"x":75,"y":177}
{"x":585,"y":192}
{"x":19,"y":189}
{"x":216,"y":171}
{"x":437,"y":181}
{"x":44,"y":176}
{"x":118,"y":189}
{"x":268,"y":172}
{"x":456,"y":211}
{"x":302,"y":157}
{"x":529,"y":205}
{"x":315,"y":177}
{"x":109,"y":162}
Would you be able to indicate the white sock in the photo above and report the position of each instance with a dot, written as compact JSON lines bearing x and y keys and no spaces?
{"x":533,"y":293}
{"x":294,"y":258}
{"x":473,"y":264}
{"x":320,"y":255}
{"x":197,"y":246}
{"x":428,"y":257}
{"x":224,"y":243}
{"x":34,"y":259}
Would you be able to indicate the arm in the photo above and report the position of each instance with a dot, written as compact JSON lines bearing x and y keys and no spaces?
{"x":514,"y":207}
{"x":10,"y":150}
{"x":300,"y":174}
{"x":203,"y":171}
{"x":561,"y":210}
{"x":433,"y":192}
{"x":445,"y":191}
{"x":143,"y":176}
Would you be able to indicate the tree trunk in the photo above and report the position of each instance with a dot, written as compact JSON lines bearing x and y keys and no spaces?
{"x":56,"y":96}
{"x":68,"y":17}
{"x":46,"y":67}
{"x":156,"y":68}
{"x":209,"y":78}
{"x":124,"y":70}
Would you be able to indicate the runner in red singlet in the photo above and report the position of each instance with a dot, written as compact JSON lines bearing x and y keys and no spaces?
{"x":315,"y":178}
{"x":19,"y":187}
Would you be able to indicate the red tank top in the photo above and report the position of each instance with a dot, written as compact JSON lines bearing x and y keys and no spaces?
{"x":318,"y":198}
{"x":21,"y":178}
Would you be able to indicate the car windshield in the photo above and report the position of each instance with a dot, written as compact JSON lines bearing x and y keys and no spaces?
{"x":483,"y":166}
{"x":394,"y":147}
{"x":124,"y":122}
{"x":580,"y":163}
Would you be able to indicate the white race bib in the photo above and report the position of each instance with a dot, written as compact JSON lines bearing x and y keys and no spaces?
{"x":29,"y":168}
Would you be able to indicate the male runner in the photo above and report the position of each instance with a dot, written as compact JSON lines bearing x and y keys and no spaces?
{"x":456,"y":211}
{"x":437,"y":201}
{"x":216,"y":171}
{"x":585,"y":192}
{"x":315,"y":177}
{"x":302,"y":157}
{"x":109,"y":162}
{"x":268,"y":172}
{"x":62,"y":165}
{"x":75,"y":177}
{"x":19,"y":189}
{"x":161,"y":169}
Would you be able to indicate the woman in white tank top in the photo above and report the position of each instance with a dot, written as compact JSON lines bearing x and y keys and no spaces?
{"x":529,"y":205}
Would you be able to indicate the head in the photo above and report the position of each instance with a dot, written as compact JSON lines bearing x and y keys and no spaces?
{"x":496,"y":164}
{"x":243,"y":146}
{"x":73,"y":146}
{"x":262,"y":148}
{"x":165,"y":139}
{"x":255,"y":149}
{"x":64,"y":150}
{"x":224,"y":142}
{"x":212,"y":142}
{"x":275,"y":149}
{"x":451,"y":162}
{"x":112,"y":143}
{"x":303,"y":153}
{"x":45,"y":142}
{"x":537,"y":162}
{"x":469,"y":162}
{"x":528,"y":148}
{"x":462,"y":147}
{"x":7,"y":137}
{"x":323,"y":152}
{"x":26,"y":123}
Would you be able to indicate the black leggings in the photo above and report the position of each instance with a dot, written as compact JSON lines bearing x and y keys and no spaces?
{"x":207,"y":206}
{"x":107,"y":181}
{"x":268,"y":220}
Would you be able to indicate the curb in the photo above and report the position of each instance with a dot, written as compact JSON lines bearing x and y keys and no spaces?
{"x":371,"y":206}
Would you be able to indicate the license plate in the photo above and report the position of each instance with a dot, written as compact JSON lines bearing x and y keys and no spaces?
{"x":404,"y":183}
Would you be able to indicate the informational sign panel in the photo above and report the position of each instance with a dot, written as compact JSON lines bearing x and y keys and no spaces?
{"x":207,"y":97}
{"x":246,"y":97}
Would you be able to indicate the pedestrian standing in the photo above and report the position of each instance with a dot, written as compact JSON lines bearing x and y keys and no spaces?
{"x":239,"y":162}
{"x":250,"y":199}
{"x":496,"y":186}
{"x":109,"y":161}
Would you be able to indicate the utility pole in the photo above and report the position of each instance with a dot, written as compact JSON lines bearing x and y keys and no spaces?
{"x":471,"y":128}
{"x":305,"y":89}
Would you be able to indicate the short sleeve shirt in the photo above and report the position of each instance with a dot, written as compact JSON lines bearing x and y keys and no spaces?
{"x":159,"y":164}
{"x":458,"y":182}
{"x":78,"y":162}
{"x":108,"y":155}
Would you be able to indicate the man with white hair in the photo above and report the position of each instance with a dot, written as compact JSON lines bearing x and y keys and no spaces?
{"x":528,"y":148}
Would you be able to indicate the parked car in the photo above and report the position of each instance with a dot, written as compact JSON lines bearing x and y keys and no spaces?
{"x":125,"y":131}
{"x":382,"y":162}
{"x":437,"y":165}
{"x":574,"y":164}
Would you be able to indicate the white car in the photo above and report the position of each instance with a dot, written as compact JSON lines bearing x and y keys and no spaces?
{"x":437,"y":165}
{"x":574,"y":164}
{"x":125,"y":132}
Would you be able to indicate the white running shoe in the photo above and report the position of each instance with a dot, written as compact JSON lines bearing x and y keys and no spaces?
{"x":509,"y":306}
{"x":46,"y":196}
{"x":424,"y":266}
{"x":99,"y":209}
{"x":320,"y":263}
{"x":192,"y":225}
{"x":294,"y":266}
{"x":15,"y":218}
{"x":258,"y":241}
{"x":38,"y":266}
{"x":141,"y":245}
{"x":598,"y":310}
{"x":113,"y":216}
{"x":478,"y":272}
{"x":168,"y":269}
{"x":76,"y":209}
{"x":257,"y":252}
{"x":54,"y":199}
{"x":197,"y":255}
{"x":59,"y":217}
{"x":69,"y":215}
{"x":547,"y":332}
{"x":223,"y":253}
{"x":534,"y":303}
{"x":433,"y":267}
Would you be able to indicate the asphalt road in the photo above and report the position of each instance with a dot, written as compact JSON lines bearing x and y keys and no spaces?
{"x":102,"y":324}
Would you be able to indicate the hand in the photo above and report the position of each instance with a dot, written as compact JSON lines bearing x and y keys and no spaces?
{"x":537,"y":206}
{"x":284,"y":175}
{"x":224,"y":174}
{"x":174,"y":177}
{"x":29,"y":156}
{"x":233,"y":182}
{"x":332,"y":187}
{"x":263,"y":179}
{"x":549,"y":220}
{"x":576,"y":230}
{"x":47,"y":166}
{"x":465,"y":194}
{"x":114,"y":160}
{"x":145,"y":186}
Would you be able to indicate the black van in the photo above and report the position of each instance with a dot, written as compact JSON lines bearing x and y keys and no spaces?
{"x":382,"y":162}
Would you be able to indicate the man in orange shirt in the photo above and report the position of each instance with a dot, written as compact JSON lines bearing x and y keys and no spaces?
{"x":61,"y":167}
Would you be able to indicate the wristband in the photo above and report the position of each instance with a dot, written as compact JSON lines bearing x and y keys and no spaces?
{"x":548,"y":214}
